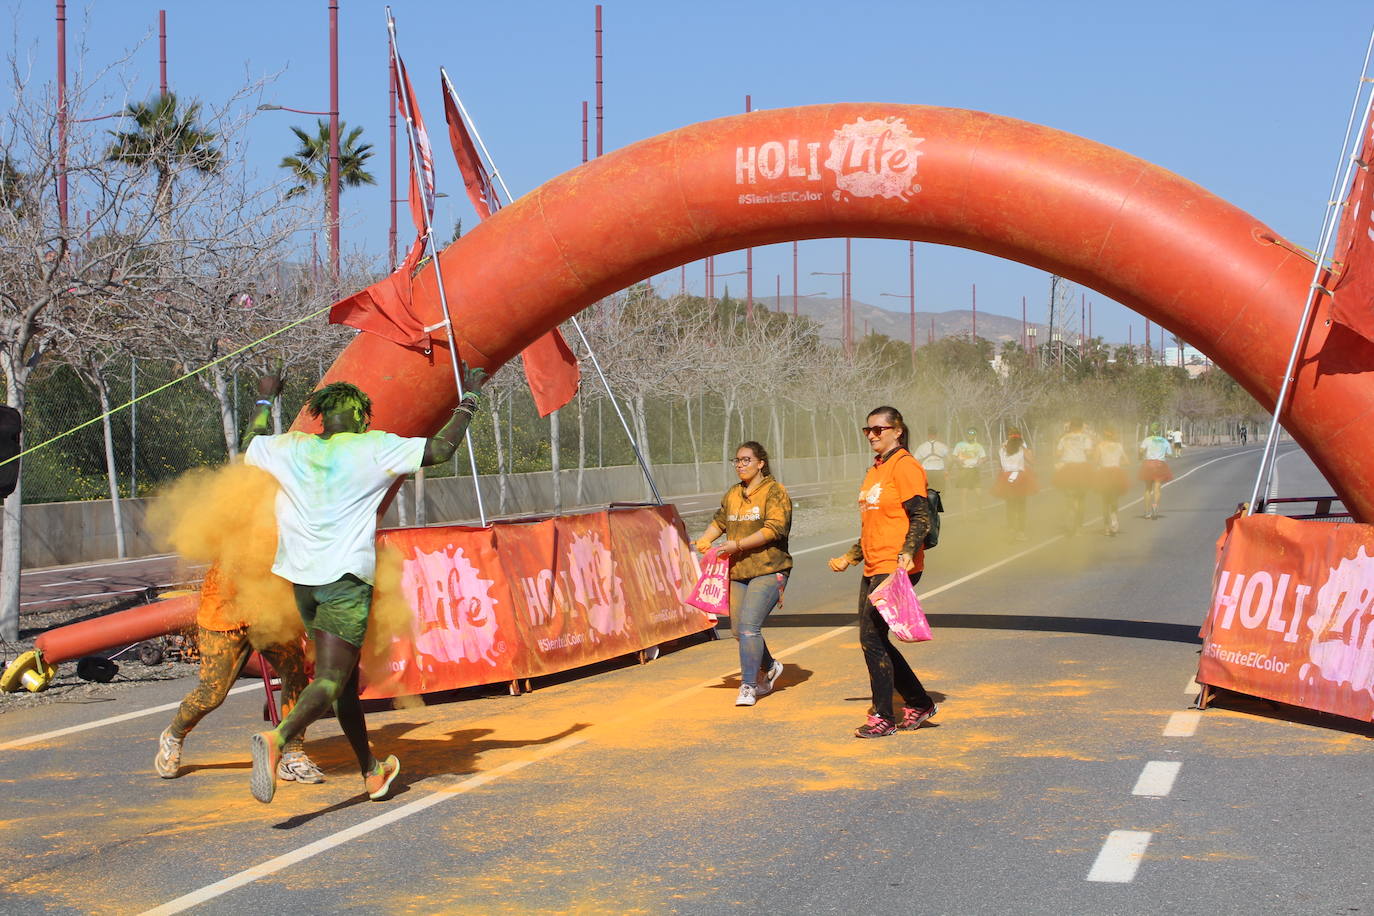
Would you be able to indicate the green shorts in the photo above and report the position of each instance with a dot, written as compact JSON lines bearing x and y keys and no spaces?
{"x":340,"y":608}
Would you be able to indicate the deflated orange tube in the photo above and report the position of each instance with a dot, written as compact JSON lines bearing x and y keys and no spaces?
{"x":134,"y":625}
{"x":1157,"y":243}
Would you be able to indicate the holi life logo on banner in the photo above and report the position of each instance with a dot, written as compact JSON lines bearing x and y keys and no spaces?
{"x":868,"y":158}
{"x":591,"y":583}
{"x":455,"y":609}
{"x":1272,"y":625}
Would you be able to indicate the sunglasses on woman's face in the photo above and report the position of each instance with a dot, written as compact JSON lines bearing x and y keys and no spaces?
{"x":875,"y":430}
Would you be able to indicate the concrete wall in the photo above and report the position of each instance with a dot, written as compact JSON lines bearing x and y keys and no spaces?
{"x":57,"y":534}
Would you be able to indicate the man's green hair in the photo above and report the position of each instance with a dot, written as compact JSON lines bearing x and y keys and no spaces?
{"x":338,"y":396}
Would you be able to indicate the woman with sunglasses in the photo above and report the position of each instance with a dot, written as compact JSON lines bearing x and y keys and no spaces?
{"x":894,"y":519}
{"x":755,"y":516}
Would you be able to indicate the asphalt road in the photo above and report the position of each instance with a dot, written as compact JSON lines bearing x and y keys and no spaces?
{"x":1064,"y":744}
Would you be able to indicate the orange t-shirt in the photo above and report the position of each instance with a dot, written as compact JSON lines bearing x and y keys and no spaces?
{"x":217,"y":604}
{"x":884,"y":522}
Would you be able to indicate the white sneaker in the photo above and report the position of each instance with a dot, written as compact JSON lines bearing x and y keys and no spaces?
{"x":747,"y":693}
{"x":774,"y":672}
{"x":296,"y":767}
{"x":168,"y":759}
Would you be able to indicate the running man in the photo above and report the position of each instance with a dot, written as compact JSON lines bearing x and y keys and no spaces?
{"x":933,"y":455}
{"x":1154,"y":451}
{"x":332,"y":484}
{"x":969,"y":457}
{"x":223,"y":638}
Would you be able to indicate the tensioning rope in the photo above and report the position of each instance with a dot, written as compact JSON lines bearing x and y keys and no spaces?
{"x":176,"y":381}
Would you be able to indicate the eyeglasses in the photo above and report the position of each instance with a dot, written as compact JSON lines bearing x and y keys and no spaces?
{"x":875,"y":430}
{"x":739,"y":461}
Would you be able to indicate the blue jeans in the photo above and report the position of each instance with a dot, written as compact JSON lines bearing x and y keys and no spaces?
{"x":751,"y":601}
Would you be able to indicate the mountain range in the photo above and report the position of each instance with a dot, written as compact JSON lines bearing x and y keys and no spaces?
{"x":897,"y":324}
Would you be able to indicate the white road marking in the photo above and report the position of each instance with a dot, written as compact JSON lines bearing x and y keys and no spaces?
{"x":1120,"y":856}
{"x":105,"y":594}
{"x":1182,"y":724}
{"x":1157,"y":779}
{"x":43,"y":569}
{"x":249,"y":875}
{"x":73,"y":729}
{"x":1192,"y":686}
{"x":74,"y":582}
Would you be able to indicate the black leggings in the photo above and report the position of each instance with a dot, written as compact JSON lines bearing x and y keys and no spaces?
{"x":887,"y":669}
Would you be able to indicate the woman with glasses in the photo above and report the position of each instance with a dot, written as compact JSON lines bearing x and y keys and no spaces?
{"x":894,"y":517}
{"x":755,"y":516}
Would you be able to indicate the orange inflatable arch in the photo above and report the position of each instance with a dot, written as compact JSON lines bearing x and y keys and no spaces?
{"x":1139,"y":234}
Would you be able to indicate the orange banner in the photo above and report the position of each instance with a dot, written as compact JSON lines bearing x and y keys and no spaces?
{"x":1291,"y":615}
{"x":522,"y":599}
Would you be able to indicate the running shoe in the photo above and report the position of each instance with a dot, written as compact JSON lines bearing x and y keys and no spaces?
{"x":875,"y":727}
{"x":747,"y":695}
{"x":266,"y":757}
{"x":168,"y":759}
{"x":296,"y":767}
{"x":912,"y":718}
{"x":377,"y":784}
{"x":774,"y":672}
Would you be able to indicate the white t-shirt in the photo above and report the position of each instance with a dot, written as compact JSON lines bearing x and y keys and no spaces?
{"x":1156,"y":448}
{"x":1074,"y":448}
{"x":931,"y":454}
{"x":1012,"y":463}
{"x":1111,"y":454}
{"x":330,"y":491}
{"x":969,"y":454}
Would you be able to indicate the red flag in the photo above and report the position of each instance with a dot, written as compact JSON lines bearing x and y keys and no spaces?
{"x":550,"y":366}
{"x":385,"y":307}
{"x":1353,"y":289}
{"x":475,"y":178}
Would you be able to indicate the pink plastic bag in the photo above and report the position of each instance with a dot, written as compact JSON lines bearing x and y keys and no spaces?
{"x":712,"y":591}
{"x":896,"y":600}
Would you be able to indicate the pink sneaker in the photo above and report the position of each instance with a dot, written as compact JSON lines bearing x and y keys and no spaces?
{"x":875,"y":727}
{"x":912,"y":719}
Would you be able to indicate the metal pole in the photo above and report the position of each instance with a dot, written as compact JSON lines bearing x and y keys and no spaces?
{"x":794,"y":279}
{"x":911,"y":279}
{"x":599,"y":105}
{"x":391,"y":118}
{"x":162,"y":48}
{"x":1023,"y":323}
{"x":777,"y":295}
{"x":848,"y":301}
{"x":438,"y":274}
{"x":748,"y":252}
{"x":133,"y":426}
{"x":334,"y":140}
{"x":584,"y":133}
{"x":62,"y":113}
{"x":975,"y":313}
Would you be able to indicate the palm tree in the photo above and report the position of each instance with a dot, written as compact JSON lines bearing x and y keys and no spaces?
{"x":166,"y":139}
{"x":309,"y":165}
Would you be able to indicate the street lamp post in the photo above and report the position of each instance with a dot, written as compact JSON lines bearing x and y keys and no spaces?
{"x":332,"y":191}
{"x":846,"y":335}
{"x":334,"y":138}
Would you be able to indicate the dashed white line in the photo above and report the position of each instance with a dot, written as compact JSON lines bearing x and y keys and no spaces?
{"x":1182,"y":724}
{"x":1120,"y":856}
{"x":1157,"y":779}
{"x":1192,"y":686}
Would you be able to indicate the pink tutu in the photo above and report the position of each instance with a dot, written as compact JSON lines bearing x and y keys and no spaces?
{"x":1024,"y":485}
{"x":1074,"y":475}
{"x":1151,"y":471}
{"x":1112,"y":482}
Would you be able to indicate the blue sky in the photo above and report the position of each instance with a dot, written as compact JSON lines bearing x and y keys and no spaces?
{"x":1247,"y":99}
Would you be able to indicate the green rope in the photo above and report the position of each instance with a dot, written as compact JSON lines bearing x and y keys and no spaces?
{"x":176,"y":381}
